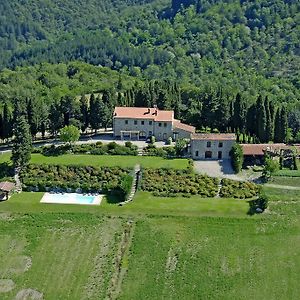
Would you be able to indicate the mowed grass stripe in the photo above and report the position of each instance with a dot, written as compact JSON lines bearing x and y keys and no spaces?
{"x":110,"y":161}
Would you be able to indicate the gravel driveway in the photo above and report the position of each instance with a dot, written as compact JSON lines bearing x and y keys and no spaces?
{"x":216,"y":168}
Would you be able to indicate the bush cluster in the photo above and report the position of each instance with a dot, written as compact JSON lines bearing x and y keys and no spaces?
{"x":37,"y":177}
{"x":170,"y":183}
{"x":238,"y":189}
{"x":97,"y":149}
{"x":237,"y":157}
{"x":166,"y":152}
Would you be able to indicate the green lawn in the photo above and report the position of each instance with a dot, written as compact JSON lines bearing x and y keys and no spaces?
{"x":144,"y":203}
{"x":289,"y":181}
{"x":289,"y":173}
{"x":175,"y":248}
{"x":111,"y":161}
{"x":212,"y":258}
{"x":5,"y":157}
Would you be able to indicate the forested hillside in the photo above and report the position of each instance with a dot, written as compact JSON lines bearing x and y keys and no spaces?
{"x":245,"y":44}
{"x":195,"y":56}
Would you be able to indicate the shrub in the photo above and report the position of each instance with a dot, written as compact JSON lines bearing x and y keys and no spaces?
{"x":270,"y":167}
{"x":237,"y":157}
{"x":152,"y":139}
{"x":169,"y":141}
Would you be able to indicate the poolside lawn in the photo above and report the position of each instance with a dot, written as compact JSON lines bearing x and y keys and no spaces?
{"x":143,"y":203}
{"x":111,"y":161}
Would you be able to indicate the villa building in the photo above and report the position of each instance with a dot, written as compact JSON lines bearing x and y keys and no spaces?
{"x":137,"y":123}
{"x":211,"y":145}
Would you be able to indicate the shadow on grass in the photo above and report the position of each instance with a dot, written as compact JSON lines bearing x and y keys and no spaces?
{"x":113,"y":198}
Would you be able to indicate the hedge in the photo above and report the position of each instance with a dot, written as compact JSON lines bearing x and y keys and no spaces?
{"x":97,"y":149}
{"x":71,"y":178}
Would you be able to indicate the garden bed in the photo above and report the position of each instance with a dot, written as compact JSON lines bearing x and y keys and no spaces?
{"x":238,"y":189}
{"x":172,"y":183}
{"x":36,"y":177}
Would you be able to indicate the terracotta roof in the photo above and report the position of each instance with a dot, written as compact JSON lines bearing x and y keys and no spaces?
{"x":185,"y":127}
{"x":213,"y":136}
{"x":258,"y":149}
{"x":144,"y":113}
{"x":7,"y":186}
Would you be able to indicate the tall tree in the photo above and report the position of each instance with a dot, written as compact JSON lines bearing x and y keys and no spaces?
{"x":95,"y":113}
{"x":240,"y":112}
{"x":261,"y":119}
{"x":21,"y":151}
{"x":269,"y":121}
{"x":7,"y":122}
{"x":284,"y":125}
{"x":33,"y":117}
{"x":84,"y":113}
{"x":278,"y":127}
{"x":55,"y":118}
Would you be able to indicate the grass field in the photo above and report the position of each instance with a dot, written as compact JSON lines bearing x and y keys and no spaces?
{"x":152,"y":248}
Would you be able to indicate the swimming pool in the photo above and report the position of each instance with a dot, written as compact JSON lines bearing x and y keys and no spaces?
{"x":71,"y":198}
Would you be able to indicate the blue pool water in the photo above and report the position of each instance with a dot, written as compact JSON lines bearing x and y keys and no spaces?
{"x":70,"y":198}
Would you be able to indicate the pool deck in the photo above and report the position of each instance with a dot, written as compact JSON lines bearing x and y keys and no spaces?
{"x":69,"y":198}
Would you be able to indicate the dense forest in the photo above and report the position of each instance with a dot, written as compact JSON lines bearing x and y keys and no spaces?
{"x":195,"y":56}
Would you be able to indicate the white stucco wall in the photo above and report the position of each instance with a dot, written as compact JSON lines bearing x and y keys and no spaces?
{"x":201,"y":147}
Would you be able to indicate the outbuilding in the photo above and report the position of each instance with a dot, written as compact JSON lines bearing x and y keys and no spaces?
{"x":6,"y":188}
{"x":212,"y":145}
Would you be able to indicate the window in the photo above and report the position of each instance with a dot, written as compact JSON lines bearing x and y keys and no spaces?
{"x":208,"y":144}
{"x":135,"y":122}
{"x":165,"y":124}
{"x":220,"y":144}
{"x":142,"y":122}
{"x":126,"y":122}
{"x":150,"y":122}
{"x":159,"y":124}
{"x":197,"y":153}
{"x":150,"y":133}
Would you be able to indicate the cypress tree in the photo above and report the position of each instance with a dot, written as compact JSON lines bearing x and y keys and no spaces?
{"x":261,"y":119}
{"x":269,"y":127}
{"x":284,"y":125}
{"x":272,"y":120}
{"x":277,"y":126}
{"x":251,"y":120}
{"x":95,"y":113}
{"x":237,"y":111}
{"x":21,"y":151}
{"x":1,"y":128}
{"x":7,"y":122}
{"x":84,"y":113}
{"x":33,"y":118}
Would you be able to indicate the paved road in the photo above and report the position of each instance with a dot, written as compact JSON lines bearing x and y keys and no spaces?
{"x":216,"y":168}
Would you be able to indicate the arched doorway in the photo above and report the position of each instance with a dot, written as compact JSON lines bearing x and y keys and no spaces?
{"x":208,"y":154}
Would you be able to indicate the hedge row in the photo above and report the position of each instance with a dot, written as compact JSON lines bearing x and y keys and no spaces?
{"x":97,"y":149}
{"x":71,"y":178}
{"x":238,"y":189}
{"x":170,"y":183}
